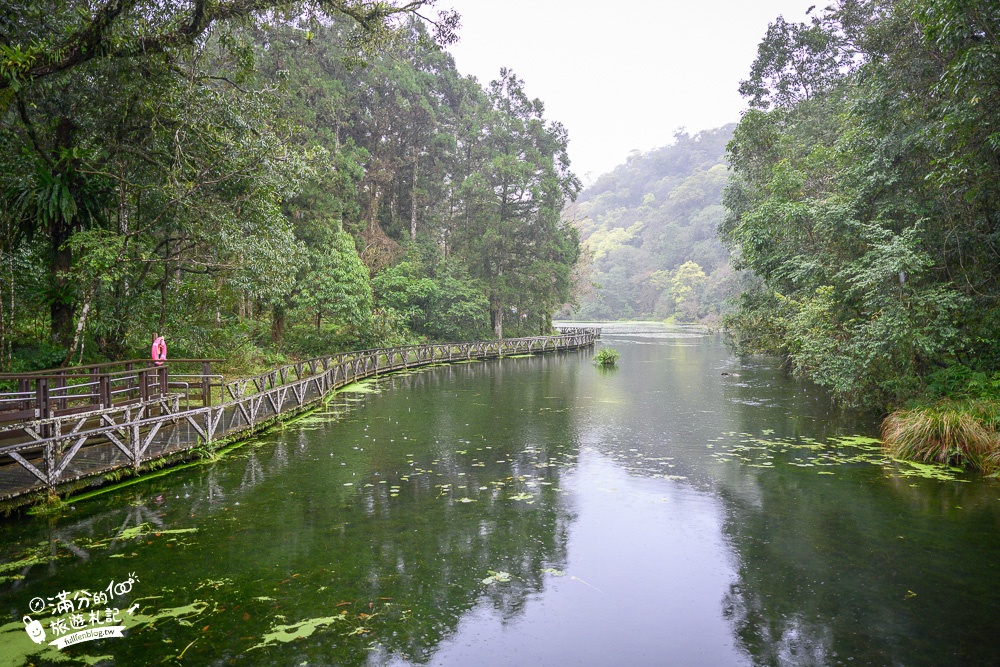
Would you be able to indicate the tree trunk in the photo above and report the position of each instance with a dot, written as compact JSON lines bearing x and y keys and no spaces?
{"x":80,"y":326}
{"x":163,"y":299}
{"x":413,"y":196}
{"x":496,"y":320}
{"x":545,"y":327}
{"x":393,"y":207}
{"x":277,"y":323}
{"x":61,"y":307}
{"x":62,"y":304}
{"x":10,"y":340}
{"x":3,"y":331}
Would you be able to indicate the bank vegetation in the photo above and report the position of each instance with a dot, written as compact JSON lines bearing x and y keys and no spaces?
{"x":864,"y":204}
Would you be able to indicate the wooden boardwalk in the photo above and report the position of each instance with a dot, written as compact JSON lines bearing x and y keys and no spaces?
{"x":75,"y":446}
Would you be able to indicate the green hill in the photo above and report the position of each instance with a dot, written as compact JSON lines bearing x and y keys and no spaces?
{"x":649,"y":234}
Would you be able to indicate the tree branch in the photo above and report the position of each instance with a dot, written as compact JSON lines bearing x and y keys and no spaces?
{"x":93,"y":40}
{"x":30,"y":128}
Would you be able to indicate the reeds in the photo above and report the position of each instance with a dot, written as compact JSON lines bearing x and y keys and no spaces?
{"x":946,"y":432}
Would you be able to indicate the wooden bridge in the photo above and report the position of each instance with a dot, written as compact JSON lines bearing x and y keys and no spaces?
{"x":66,"y":428}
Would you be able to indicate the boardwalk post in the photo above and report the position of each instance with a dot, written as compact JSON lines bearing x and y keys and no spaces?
{"x":60,"y":390}
{"x":143,"y":385}
{"x":44,"y":409}
{"x":95,"y":388}
{"x":50,"y":464}
{"x":206,"y":384}
{"x":129,"y":379}
{"x":23,"y":387}
{"x":104,"y":390}
{"x":133,"y":432}
{"x":42,"y":397}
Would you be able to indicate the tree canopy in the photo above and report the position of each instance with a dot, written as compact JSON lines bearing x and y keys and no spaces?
{"x":257,"y":178}
{"x":648,"y":219}
{"x":865,"y":196}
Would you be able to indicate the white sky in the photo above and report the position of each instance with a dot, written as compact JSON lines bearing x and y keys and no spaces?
{"x":620,"y":75}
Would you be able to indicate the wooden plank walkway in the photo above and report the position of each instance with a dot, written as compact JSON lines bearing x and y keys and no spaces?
{"x":51,"y":455}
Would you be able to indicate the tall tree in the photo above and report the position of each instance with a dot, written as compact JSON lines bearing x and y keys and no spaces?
{"x":511,"y":231}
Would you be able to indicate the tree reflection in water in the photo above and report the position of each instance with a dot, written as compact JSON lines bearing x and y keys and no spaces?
{"x":387,"y":518}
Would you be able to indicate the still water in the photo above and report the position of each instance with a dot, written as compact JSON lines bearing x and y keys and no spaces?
{"x":688,"y":508}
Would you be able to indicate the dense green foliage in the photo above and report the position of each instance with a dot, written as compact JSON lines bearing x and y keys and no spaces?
{"x":649,"y":232}
{"x":255,"y":179}
{"x":607,"y":357}
{"x":865,"y":199}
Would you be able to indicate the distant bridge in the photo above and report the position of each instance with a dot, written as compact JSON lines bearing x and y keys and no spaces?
{"x":62,"y":429}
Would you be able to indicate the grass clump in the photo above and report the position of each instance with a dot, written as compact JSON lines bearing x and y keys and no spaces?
{"x":607,"y":357}
{"x":956,"y":432}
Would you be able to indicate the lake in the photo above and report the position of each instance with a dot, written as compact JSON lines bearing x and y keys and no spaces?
{"x":685,"y":508}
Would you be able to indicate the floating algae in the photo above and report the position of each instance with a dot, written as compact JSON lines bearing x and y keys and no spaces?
{"x":287,"y":633}
{"x":497,"y":578}
{"x":361,"y":387}
{"x":41,"y":554}
{"x":929,"y":471}
{"x":764,"y":453}
{"x":29,"y":558}
{"x":143,"y":530}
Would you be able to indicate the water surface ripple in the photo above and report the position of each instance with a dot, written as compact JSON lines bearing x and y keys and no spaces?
{"x":686,"y":508}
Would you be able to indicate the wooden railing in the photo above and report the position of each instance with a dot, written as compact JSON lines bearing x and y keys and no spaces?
{"x":58,"y":392}
{"x":48,"y":452}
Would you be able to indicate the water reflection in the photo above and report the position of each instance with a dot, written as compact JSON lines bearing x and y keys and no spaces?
{"x":386,"y":521}
{"x":688,"y":508}
{"x":865,"y":569}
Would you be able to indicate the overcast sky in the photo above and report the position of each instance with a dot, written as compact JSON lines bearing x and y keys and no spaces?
{"x":620,"y":75}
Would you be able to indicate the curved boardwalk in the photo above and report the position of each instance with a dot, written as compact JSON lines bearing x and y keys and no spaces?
{"x":67,"y":452}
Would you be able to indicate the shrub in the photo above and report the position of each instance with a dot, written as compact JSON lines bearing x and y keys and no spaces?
{"x":946,"y":432}
{"x":607,"y":357}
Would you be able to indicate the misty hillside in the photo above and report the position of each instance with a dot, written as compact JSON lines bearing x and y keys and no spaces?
{"x":648,"y":229}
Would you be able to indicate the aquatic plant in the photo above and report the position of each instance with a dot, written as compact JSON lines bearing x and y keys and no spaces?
{"x":497,"y":577}
{"x":607,"y":356}
{"x":946,"y":432}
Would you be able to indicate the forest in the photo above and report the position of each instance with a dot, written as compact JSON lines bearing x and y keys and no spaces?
{"x":864,"y":205}
{"x":261,"y":180}
{"x":648,"y":231}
